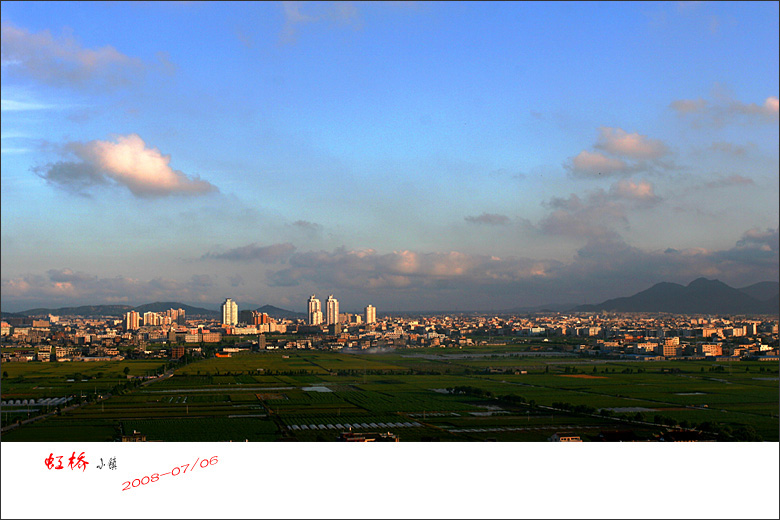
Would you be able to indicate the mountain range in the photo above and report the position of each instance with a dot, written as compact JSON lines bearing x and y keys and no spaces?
{"x":120,"y":310}
{"x":701,"y":296}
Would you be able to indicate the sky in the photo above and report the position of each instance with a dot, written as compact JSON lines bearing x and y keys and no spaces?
{"x":413,"y":156}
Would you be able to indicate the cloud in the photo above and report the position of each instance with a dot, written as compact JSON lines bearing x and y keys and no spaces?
{"x":594,"y":217}
{"x":311,"y":229}
{"x":64,"y":62}
{"x":267,"y":254}
{"x":756,"y":249}
{"x":771,"y":105}
{"x":608,"y":264}
{"x":490,"y":219}
{"x":726,"y":110}
{"x":299,"y":14}
{"x":366,"y":269}
{"x":61,"y":287}
{"x":594,"y":164}
{"x":768,"y":109}
{"x":625,"y":153}
{"x":766,"y":240}
{"x":688,"y":106}
{"x":714,"y":24}
{"x":127,"y":162}
{"x":201,"y":281}
{"x":12,"y":105}
{"x":604,"y":267}
{"x":685,"y":6}
{"x":68,"y":275}
{"x":642,"y":191}
{"x":732,"y":180}
{"x":732,"y":149}
{"x":617,"y":141}
{"x":598,"y":213}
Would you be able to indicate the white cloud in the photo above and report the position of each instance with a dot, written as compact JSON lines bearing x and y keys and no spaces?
{"x":127,"y":162}
{"x":64,"y":61}
{"x":617,"y":141}
{"x":641,"y":191}
{"x":726,"y":110}
{"x":15,"y":151}
{"x":367,"y":269}
{"x":62,"y":287}
{"x":12,"y":105}
{"x":594,"y":164}
{"x":625,"y":153}
{"x":771,"y":105}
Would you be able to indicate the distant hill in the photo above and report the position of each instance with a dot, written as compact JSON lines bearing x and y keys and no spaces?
{"x":276,"y":312}
{"x":115,"y":310}
{"x":763,"y":291}
{"x":189,"y":310}
{"x":84,"y":310}
{"x":4,"y":314}
{"x":701,"y":296}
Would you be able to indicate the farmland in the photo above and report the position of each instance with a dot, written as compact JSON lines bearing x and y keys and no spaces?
{"x":419,"y":394}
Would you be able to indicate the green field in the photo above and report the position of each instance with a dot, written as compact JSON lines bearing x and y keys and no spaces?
{"x":313,"y":395}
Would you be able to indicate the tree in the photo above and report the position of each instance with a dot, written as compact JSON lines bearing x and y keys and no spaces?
{"x":746,"y":433}
{"x":126,"y":370}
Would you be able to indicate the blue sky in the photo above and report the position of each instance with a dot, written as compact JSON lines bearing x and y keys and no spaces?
{"x":415,"y":156}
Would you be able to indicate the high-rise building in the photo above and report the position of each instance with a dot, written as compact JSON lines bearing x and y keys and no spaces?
{"x":245,"y":317}
{"x":229,"y":312}
{"x":176,"y":316}
{"x":151,"y":318}
{"x":315,"y":311}
{"x":132,"y":320}
{"x":261,"y":318}
{"x":370,"y":314}
{"x":332,"y":310}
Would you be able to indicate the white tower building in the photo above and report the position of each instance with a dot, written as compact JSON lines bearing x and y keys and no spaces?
{"x":370,"y":314}
{"x":229,"y":312}
{"x":132,"y":320}
{"x":332,"y":310}
{"x":315,"y":311}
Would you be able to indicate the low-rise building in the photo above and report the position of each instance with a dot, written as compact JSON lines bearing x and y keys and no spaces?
{"x":564,"y":437}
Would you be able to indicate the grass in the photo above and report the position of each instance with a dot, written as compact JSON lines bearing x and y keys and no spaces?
{"x":198,"y":401}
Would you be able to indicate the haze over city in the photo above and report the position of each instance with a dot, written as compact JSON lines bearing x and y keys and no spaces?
{"x":415,"y":156}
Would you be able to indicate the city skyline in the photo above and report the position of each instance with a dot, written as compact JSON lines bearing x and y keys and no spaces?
{"x":434,"y":156}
